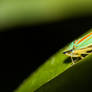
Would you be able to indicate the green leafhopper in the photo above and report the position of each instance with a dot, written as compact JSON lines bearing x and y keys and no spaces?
{"x":80,"y":47}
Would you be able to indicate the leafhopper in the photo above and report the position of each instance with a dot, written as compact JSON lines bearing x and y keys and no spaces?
{"x":80,"y":47}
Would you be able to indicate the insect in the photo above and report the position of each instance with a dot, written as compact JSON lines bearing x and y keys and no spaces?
{"x":80,"y":48}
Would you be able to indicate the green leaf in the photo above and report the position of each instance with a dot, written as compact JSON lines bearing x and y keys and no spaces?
{"x":54,"y":66}
{"x":49,"y":70}
{"x":78,"y":78}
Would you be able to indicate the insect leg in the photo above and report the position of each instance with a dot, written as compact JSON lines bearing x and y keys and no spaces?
{"x":72,"y":60}
{"x":80,"y":55}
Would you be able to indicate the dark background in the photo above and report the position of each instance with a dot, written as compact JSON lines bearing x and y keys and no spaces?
{"x":24,"y":48}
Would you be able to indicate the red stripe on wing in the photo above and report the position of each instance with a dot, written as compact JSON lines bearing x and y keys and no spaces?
{"x":84,"y":38}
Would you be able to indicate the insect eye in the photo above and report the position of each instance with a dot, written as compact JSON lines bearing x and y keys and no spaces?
{"x":67,"y":51}
{"x":64,"y":52}
{"x":71,"y":50}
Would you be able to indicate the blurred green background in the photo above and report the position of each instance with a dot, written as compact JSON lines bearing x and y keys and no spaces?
{"x":21,"y":12}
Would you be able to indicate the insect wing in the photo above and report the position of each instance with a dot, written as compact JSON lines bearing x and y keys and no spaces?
{"x":84,"y":41}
